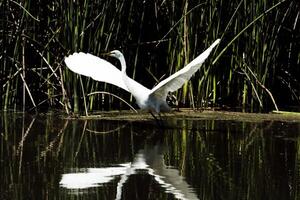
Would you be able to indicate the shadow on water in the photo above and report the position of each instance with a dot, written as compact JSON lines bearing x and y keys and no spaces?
{"x":47,"y":157}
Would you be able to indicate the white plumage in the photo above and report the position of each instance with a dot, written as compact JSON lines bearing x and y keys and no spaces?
{"x":152,"y":100}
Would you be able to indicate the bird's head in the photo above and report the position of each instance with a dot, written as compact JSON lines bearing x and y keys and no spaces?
{"x":115,"y":53}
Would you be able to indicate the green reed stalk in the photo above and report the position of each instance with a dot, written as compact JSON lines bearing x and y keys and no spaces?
{"x":161,"y":37}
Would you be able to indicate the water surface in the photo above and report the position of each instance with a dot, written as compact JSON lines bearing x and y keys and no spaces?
{"x":49,"y":157}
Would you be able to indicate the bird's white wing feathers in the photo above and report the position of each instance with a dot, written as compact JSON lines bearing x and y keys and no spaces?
{"x":96,"y":68}
{"x":176,"y":80}
{"x":100,"y":70}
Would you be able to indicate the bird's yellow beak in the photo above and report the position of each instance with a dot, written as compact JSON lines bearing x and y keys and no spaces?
{"x":106,"y":54}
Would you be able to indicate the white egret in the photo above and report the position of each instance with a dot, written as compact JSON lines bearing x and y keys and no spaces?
{"x":153,"y":100}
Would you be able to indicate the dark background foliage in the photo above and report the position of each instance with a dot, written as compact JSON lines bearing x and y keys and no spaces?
{"x":157,"y":38}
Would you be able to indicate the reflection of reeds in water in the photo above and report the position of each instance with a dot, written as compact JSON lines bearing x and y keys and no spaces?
{"x":37,"y":35}
{"x":217,"y":159}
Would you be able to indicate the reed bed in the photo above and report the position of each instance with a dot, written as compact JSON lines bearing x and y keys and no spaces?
{"x":255,"y":67}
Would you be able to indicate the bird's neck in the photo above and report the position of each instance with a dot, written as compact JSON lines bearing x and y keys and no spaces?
{"x":124,"y":75}
{"x":123,"y":64}
{"x":139,"y":92}
{"x":131,"y":88}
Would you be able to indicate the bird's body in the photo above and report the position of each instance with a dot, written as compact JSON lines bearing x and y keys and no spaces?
{"x":153,"y":100}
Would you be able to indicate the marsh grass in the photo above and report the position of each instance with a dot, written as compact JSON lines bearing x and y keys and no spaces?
{"x":158,"y":38}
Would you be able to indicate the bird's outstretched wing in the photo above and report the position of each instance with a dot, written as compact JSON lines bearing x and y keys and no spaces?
{"x":96,"y":68}
{"x":176,"y":80}
{"x":103,"y":71}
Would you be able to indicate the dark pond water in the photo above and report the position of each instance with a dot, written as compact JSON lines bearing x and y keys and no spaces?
{"x":47,"y":157}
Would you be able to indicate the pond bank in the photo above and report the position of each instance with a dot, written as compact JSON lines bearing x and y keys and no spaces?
{"x":194,"y":115}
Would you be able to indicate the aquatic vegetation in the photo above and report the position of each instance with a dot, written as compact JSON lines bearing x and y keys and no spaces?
{"x":259,"y":49}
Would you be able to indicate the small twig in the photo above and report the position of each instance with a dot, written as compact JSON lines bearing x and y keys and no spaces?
{"x":291,"y":43}
{"x":20,"y":149}
{"x":182,"y":17}
{"x":23,"y":73}
{"x":36,"y":19}
{"x":81,"y":138}
{"x":55,"y":140}
{"x":27,"y":88}
{"x":106,"y":132}
{"x":21,"y":143}
{"x":84,"y":99}
{"x":253,"y":87}
{"x":50,"y":67}
{"x":11,"y":77}
{"x":263,"y":87}
{"x":43,"y":101}
{"x":102,"y":92}
{"x":64,"y":93}
{"x":46,"y":80}
{"x":90,"y":24}
{"x":148,"y":70}
{"x":156,"y":80}
{"x":260,"y":84}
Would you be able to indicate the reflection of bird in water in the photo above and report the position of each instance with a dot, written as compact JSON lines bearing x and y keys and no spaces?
{"x":167,"y":176}
{"x":153,"y":100}
{"x":149,"y":160}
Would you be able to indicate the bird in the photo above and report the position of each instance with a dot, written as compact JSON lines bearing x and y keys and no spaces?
{"x":152,"y":100}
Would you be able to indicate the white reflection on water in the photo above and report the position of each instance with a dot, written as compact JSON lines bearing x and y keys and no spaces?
{"x":91,"y":177}
{"x":149,"y":160}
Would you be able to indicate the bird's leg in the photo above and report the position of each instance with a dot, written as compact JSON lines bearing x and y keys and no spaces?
{"x":154,"y":116}
{"x":159,"y":120}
